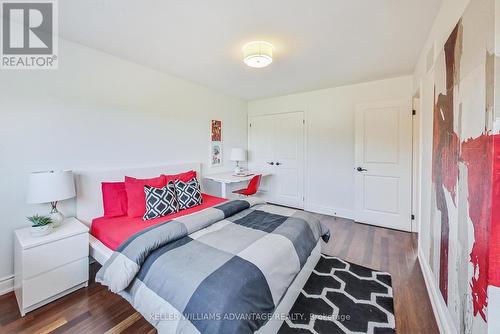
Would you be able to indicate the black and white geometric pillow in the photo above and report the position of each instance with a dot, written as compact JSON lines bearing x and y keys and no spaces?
{"x":160,"y":201}
{"x":188,"y":193}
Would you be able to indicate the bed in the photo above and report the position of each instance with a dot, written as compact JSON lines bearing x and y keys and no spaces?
{"x":127,"y":264}
{"x":112,"y":232}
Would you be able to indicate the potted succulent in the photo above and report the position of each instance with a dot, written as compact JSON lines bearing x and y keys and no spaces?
{"x":41,"y":225}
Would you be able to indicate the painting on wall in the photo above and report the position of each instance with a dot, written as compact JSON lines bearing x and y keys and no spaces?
{"x":216,"y":130}
{"x":462,"y":167}
{"x":215,"y":143}
{"x":215,"y":154}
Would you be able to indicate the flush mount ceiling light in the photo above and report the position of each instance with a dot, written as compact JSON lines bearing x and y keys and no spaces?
{"x":258,"y":54}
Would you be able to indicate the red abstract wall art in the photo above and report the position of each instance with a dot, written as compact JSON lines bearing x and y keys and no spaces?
{"x":462,"y":238}
{"x":446,"y":150}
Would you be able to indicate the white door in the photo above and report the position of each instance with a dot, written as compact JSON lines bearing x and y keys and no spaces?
{"x":383,"y":156}
{"x":276,"y":145}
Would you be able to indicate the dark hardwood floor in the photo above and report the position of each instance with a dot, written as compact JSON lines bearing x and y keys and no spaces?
{"x":95,"y":310}
{"x":391,"y":251}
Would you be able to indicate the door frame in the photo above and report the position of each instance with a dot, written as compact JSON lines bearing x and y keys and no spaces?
{"x":416,"y":163}
{"x":304,"y":134}
{"x":409,"y":103}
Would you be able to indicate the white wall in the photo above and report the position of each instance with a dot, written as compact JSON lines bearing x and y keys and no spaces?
{"x":330,"y":137}
{"x":98,"y":110}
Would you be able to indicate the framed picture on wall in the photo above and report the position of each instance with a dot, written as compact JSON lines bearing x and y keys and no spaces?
{"x":215,"y":154}
{"x":216,"y":130}
{"x":215,"y":143}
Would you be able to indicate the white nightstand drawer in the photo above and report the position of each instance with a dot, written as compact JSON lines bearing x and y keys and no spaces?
{"x":55,"y":281}
{"x":40,"y":259}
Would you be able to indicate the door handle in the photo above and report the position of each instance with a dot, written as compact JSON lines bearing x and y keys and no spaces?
{"x":361,"y":169}
{"x":270,"y":163}
{"x":278,"y":163}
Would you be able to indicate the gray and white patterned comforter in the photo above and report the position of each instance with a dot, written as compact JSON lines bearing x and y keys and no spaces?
{"x":220,"y":270}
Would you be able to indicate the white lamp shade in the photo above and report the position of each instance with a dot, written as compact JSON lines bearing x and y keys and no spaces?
{"x":258,"y":54}
{"x":238,"y":154}
{"x":50,"y":186}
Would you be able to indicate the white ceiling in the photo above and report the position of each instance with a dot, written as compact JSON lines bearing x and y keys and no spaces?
{"x":319,"y":43}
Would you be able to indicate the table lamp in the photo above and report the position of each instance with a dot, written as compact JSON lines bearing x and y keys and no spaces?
{"x":238,"y":154}
{"x":51,"y":187}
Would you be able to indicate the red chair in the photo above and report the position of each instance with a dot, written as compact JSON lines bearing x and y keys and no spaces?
{"x":252,"y":188}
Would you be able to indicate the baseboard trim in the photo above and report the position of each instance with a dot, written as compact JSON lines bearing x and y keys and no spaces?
{"x":342,"y":213}
{"x":6,"y":284}
{"x":443,"y":318}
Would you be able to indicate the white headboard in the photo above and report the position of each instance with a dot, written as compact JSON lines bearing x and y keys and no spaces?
{"x":88,"y":184}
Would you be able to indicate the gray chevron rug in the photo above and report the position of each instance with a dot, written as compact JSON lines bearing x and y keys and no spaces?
{"x":342,"y":297}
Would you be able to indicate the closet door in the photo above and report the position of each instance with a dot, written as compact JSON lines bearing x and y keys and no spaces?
{"x":261,"y":152}
{"x":276,"y":145}
{"x":289,"y":159}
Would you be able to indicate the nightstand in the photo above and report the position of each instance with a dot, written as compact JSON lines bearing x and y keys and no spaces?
{"x":51,"y":266}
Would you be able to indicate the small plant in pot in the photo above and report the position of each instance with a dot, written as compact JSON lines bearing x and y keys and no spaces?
{"x":41,"y":225}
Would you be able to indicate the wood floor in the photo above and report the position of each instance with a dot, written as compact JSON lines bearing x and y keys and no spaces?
{"x":95,"y":310}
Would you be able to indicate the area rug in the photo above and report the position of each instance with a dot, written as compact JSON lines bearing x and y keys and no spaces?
{"x":342,"y":297}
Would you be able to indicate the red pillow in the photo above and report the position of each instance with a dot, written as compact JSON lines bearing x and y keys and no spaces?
{"x":136,"y":198}
{"x":114,"y":199}
{"x":184,"y":177}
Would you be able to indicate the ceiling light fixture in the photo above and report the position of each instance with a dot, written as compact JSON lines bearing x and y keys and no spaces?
{"x":258,"y":54}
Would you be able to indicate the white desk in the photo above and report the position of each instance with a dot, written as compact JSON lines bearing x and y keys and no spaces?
{"x":227,"y":177}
